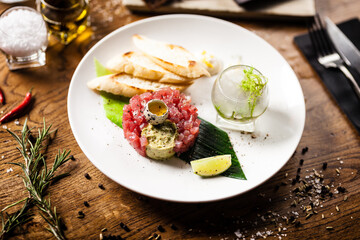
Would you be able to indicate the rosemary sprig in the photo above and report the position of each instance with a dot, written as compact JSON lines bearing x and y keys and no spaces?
{"x":36,"y":175}
{"x":16,"y":219}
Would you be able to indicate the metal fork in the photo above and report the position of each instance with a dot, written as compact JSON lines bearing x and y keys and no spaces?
{"x":326,"y":53}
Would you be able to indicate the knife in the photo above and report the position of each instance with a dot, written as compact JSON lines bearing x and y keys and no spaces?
{"x":346,"y":49}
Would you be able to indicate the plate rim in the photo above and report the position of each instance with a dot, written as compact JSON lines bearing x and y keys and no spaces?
{"x":179,"y":16}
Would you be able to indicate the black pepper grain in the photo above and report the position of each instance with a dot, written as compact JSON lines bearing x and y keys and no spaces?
{"x":123,"y":226}
{"x":301,"y":162}
{"x":101,"y":186}
{"x":86,"y":204}
{"x":341,"y":189}
{"x":304,"y":150}
{"x":160,"y":228}
{"x":298,"y":170}
{"x":72,"y":157}
{"x":324,"y":166}
{"x":87,"y":176}
{"x":80,"y":214}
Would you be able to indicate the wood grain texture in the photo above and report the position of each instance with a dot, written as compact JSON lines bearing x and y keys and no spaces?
{"x":328,"y":135}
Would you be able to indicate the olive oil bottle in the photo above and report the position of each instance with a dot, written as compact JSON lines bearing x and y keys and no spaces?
{"x":65,"y":19}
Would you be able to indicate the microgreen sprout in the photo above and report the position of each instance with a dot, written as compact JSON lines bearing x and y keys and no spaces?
{"x":254,"y":85}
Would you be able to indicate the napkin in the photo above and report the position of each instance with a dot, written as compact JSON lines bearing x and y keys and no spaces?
{"x":335,"y":81}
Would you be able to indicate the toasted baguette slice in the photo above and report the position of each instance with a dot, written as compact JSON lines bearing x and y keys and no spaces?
{"x":139,"y":65}
{"x":127,"y":85}
{"x":174,"y":58}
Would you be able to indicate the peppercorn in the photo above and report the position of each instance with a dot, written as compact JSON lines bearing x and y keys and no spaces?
{"x":160,"y":228}
{"x":123,"y":226}
{"x":304,"y":150}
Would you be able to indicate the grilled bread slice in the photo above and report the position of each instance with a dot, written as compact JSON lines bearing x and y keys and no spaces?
{"x":173,"y":58}
{"x":139,"y":65}
{"x":127,"y":85}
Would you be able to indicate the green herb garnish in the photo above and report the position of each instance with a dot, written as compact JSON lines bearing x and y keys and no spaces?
{"x":254,"y":86}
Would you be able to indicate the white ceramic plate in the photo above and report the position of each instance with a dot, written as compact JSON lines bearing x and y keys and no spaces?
{"x":278,"y":131}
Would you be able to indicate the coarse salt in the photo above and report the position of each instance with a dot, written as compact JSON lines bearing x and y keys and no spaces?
{"x":23,"y":32}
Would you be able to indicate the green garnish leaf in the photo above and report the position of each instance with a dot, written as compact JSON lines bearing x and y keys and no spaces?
{"x":253,"y":85}
{"x":113,"y":105}
{"x":213,"y":141}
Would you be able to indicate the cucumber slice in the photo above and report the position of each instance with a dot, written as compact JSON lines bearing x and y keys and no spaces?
{"x":211,"y":166}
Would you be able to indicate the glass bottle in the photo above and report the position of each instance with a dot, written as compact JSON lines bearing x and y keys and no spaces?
{"x":65,"y":19}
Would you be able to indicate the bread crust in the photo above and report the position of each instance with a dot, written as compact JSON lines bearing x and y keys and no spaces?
{"x":172,"y":57}
{"x":128,"y":86}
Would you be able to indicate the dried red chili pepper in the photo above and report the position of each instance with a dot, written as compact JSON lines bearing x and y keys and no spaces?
{"x":2,"y":99}
{"x":18,"y":109}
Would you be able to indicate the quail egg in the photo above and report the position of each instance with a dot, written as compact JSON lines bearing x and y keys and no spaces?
{"x":156,"y":112}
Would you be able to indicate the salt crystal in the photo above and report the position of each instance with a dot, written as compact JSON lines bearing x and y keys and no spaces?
{"x":9,"y":170}
{"x":23,"y":32}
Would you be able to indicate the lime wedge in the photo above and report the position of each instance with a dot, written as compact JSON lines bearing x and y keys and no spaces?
{"x":211,"y":166}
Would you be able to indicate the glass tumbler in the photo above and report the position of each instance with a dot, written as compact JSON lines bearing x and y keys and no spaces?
{"x":65,"y":19}
{"x":240,"y":95}
{"x":23,"y":37}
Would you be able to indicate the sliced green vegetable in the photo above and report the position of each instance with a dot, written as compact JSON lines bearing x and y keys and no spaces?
{"x":113,"y":105}
{"x":213,"y":141}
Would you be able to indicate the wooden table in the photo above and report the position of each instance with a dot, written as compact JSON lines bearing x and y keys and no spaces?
{"x":328,"y":135}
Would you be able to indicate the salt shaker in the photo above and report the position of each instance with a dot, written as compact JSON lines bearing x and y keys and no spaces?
{"x":23,"y":37}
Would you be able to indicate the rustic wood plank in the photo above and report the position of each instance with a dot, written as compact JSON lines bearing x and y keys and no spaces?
{"x":328,"y":135}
